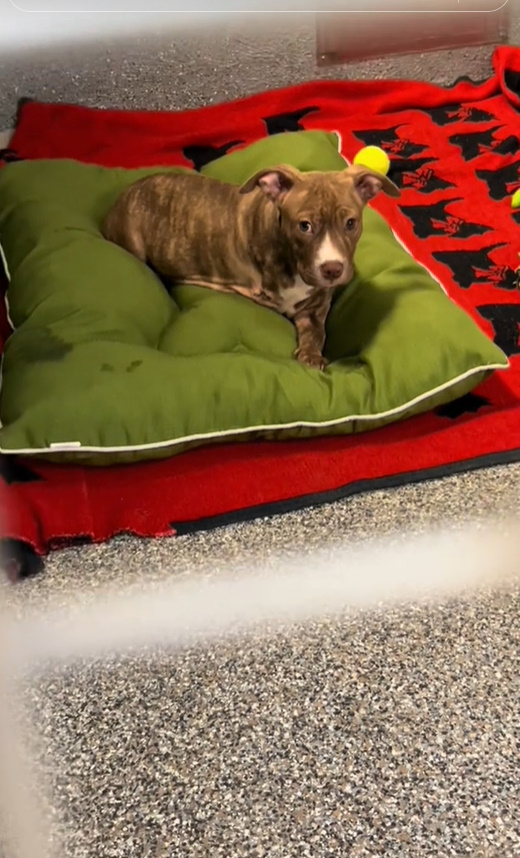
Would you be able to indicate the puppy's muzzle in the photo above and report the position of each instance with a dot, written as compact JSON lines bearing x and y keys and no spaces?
{"x":332,"y":270}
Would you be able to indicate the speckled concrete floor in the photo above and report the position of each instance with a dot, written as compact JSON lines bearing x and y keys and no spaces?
{"x":392,"y":734}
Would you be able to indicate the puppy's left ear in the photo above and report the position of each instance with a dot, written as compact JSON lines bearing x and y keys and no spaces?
{"x":274,"y":182}
{"x":368,"y":183}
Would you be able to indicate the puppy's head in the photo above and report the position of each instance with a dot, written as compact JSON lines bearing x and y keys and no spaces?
{"x":321,"y":216}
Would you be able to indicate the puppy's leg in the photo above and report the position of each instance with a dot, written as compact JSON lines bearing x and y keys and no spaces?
{"x":310,"y":333}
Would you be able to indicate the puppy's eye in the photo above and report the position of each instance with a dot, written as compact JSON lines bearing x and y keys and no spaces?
{"x":305,"y":226}
{"x":350,"y":224}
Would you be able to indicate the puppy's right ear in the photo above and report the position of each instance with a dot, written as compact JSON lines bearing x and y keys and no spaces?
{"x":274,"y":182}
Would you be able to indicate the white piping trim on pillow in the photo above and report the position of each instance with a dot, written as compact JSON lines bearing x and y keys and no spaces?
{"x":6,"y":302}
{"x":67,"y":446}
{"x":6,"y":296}
{"x":4,"y":263}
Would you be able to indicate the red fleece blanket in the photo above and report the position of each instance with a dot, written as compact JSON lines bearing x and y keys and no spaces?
{"x":456,"y":155}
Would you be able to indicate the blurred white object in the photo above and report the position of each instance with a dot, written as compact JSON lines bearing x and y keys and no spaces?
{"x":386,"y":572}
{"x":30,"y":24}
{"x":22,"y":30}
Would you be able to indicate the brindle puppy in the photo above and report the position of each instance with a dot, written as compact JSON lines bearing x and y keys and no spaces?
{"x":285,"y":239}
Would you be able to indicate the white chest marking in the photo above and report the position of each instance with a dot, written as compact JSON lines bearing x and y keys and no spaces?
{"x":293,"y":295}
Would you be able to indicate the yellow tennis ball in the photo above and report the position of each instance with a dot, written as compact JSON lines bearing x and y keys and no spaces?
{"x":374,"y":158}
{"x":515,"y":201}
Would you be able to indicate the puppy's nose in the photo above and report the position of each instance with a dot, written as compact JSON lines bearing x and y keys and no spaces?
{"x":331,"y":270}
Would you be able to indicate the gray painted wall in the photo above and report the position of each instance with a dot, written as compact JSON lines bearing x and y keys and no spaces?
{"x":183,"y":71}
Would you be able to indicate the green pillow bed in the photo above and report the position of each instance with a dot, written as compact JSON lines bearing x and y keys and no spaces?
{"x":105,"y":365}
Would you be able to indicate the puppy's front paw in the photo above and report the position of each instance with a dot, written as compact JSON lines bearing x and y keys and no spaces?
{"x":312,"y":359}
